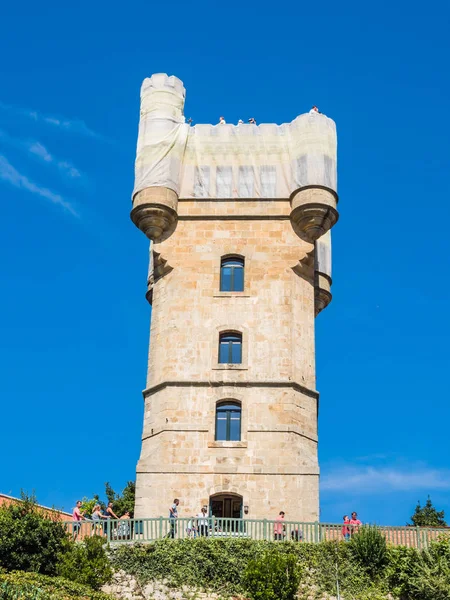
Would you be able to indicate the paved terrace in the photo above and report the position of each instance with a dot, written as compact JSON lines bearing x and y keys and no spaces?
{"x":149,"y":530}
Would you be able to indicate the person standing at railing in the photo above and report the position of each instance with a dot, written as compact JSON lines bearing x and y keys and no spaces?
{"x":97,"y":516}
{"x":345,"y":528}
{"x":278,"y":529}
{"x":355,"y":523}
{"x":77,"y":517}
{"x":123,"y":529}
{"x":173,"y":516}
{"x":202,"y":521}
{"x":108,"y":513}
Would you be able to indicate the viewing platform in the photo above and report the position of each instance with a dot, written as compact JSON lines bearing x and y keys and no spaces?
{"x":150,"y":530}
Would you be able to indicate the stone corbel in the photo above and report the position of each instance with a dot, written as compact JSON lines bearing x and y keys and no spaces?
{"x":305,"y":267}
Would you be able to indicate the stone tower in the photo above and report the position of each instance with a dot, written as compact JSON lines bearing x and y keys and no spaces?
{"x":240,"y":264}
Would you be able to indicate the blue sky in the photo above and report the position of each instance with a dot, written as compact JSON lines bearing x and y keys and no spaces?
{"x":73,"y":317}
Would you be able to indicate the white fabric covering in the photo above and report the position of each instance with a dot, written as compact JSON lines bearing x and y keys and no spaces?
{"x":323,"y":254}
{"x":228,"y":161}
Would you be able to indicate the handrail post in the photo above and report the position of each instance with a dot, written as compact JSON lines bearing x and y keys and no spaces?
{"x":316,"y":531}
{"x":265,"y":529}
{"x":160,"y":528}
{"x":418,"y":538}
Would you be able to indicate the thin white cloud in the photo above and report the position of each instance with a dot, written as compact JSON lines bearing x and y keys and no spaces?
{"x":64,"y":166}
{"x":76,"y":126}
{"x":369,"y":479}
{"x":9,"y":174}
{"x":40,"y":151}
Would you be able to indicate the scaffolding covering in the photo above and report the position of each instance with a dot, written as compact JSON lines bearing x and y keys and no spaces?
{"x":229,"y":161}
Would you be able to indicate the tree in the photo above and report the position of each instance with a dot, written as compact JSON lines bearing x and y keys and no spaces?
{"x":30,"y":539}
{"x":428,"y":516}
{"x":122,"y":502}
{"x":86,"y":563}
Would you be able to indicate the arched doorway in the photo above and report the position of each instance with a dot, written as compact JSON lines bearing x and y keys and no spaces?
{"x":226,"y":506}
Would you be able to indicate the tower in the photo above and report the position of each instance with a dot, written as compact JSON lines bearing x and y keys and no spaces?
{"x":240,"y":264}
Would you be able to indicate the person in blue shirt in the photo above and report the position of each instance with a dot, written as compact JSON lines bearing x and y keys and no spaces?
{"x":173,"y":516}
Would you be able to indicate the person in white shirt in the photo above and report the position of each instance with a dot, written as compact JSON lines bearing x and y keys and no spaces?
{"x":314,"y":111}
{"x":202,"y":521}
{"x":222,"y":121}
{"x":240,"y":122}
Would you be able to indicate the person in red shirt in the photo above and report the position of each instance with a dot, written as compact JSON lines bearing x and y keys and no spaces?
{"x":278,"y":529}
{"x":355,"y":523}
{"x":346,"y":530}
{"x":77,"y":517}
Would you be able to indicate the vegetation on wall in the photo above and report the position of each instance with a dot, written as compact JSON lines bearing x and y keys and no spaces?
{"x":224,"y":566}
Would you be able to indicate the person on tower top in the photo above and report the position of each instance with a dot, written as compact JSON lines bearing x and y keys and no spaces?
{"x":315,"y":111}
{"x":222,"y":121}
{"x":252,"y":121}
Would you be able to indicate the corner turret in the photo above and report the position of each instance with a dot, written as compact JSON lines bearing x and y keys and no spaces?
{"x":161,"y":143}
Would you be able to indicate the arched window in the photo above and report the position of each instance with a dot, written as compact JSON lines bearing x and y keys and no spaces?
{"x":232,"y":274}
{"x":230,"y":348}
{"x":228,"y":421}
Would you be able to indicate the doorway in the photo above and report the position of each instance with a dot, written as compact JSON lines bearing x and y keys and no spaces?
{"x":225,"y":506}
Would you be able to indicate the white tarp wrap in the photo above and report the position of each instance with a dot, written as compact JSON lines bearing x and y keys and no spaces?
{"x":228,"y":161}
{"x":323,"y":254}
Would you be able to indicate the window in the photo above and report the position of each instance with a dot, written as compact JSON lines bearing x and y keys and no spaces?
{"x":201,"y":182}
{"x":224,"y":182}
{"x":230,"y":348}
{"x":232,"y":274}
{"x":228,"y":421}
{"x":268,"y":182}
{"x":246,"y":182}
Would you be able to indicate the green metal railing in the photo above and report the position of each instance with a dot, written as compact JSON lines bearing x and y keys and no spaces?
{"x":148,"y":530}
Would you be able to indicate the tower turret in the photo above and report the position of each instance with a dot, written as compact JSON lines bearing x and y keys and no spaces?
{"x":161,"y":143}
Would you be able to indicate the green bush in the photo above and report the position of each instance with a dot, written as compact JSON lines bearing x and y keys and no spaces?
{"x":272,"y":577}
{"x":369,"y":548}
{"x":32,"y":586}
{"x":86,"y":563}
{"x":219,"y":564}
{"x":30,"y":539}
{"x":423,"y":575}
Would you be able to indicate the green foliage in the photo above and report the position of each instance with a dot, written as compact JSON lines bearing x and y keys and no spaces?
{"x":30,"y":539}
{"x":273,"y":576}
{"x":31,"y":586}
{"x":368,"y":547}
{"x":219,"y":565}
{"x":87,"y":506}
{"x":428,"y":516}
{"x":123,"y":502}
{"x":421,"y":575}
{"x":86,"y":563}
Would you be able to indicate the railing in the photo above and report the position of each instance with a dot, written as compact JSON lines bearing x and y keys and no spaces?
{"x":148,"y":530}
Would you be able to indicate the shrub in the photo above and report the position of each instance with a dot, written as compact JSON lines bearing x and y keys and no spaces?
{"x":425,"y":575}
{"x":86,"y":563}
{"x":32,"y":586}
{"x":369,"y":548}
{"x":272,"y":577}
{"x":30,"y":539}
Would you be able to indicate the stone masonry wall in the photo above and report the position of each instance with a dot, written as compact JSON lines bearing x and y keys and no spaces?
{"x":274,"y":466}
